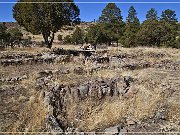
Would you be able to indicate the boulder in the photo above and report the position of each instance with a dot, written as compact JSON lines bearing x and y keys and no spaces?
{"x":83,"y":90}
{"x":113,"y":130}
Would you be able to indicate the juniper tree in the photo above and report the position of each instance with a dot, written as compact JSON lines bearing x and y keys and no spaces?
{"x":96,"y":35}
{"x":3,"y":29}
{"x":15,"y":34}
{"x":78,"y":36}
{"x":45,"y":18}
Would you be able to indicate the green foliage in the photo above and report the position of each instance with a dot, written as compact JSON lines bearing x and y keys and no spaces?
{"x":177,"y":43}
{"x":132,"y":15}
{"x":129,"y":38}
{"x":67,"y":39}
{"x":59,"y":37}
{"x":112,"y":22}
{"x":3,"y":29}
{"x":45,"y":18}
{"x":15,"y":34}
{"x":150,"y":33}
{"x":169,"y":16}
{"x":96,"y":35}
{"x":78,"y":36}
{"x":92,"y":34}
{"x":156,"y":33}
{"x":169,"y":33}
{"x":152,"y":14}
{"x":161,"y":32}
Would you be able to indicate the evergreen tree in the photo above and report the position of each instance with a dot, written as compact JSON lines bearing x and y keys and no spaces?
{"x":169,"y":16}
{"x":159,"y":33}
{"x":156,"y":33}
{"x":151,"y":14}
{"x":96,"y":35}
{"x":132,"y":26}
{"x":45,"y":18}
{"x":78,"y":36}
{"x":169,"y":27}
{"x":168,"y":33}
{"x":149,"y":33}
{"x":15,"y":34}
{"x":67,"y":39}
{"x":3,"y":29}
{"x":112,"y":22}
{"x":132,"y":15}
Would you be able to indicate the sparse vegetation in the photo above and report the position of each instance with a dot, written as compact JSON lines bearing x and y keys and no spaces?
{"x":158,"y":84}
{"x":105,"y":77}
{"x":67,"y":39}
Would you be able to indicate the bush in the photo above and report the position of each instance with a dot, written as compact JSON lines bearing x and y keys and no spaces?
{"x":67,"y":39}
{"x":177,"y":43}
{"x":59,"y":37}
{"x":78,"y":36}
{"x":15,"y":33}
{"x":2,"y":31}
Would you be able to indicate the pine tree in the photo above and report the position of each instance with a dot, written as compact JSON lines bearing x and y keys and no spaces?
{"x":149,"y":33}
{"x":112,"y":22}
{"x":169,"y":16}
{"x":132,"y":26}
{"x":152,"y":14}
{"x":169,"y":26}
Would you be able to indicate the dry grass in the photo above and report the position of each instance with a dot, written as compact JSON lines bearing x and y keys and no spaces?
{"x":33,"y":114}
{"x":143,"y":105}
{"x":149,"y":98}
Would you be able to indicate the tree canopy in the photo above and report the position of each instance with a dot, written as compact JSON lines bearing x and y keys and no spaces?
{"x":45,"y":18}
{"x":96,"y":35}
{"x":132,"y":26}
{"x":169,"y":16}
{"x":3,"y":29}
{"x":112,"y":22}
{"x":15,"y":34}
{"x":152,"y":14}
{"x":78,"y":36}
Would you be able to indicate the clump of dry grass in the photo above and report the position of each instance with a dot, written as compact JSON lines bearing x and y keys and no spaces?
{"x":143,"y":105}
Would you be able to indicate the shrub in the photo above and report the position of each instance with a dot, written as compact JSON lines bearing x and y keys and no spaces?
{"x":15,"y":33}
{"x":78,"y":36}
{"x":67,"y":39}
{"x":59,"y":37}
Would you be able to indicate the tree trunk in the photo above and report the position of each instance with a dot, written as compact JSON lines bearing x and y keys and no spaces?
{"x":51,"y":41}
{"x":45,"y":38}
{"x":48,"y":43}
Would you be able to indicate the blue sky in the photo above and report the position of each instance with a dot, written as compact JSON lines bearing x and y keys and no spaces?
{"x":91,"y":11}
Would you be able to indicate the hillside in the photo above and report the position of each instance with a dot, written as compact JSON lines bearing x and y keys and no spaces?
{"x":66,"y":30}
